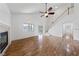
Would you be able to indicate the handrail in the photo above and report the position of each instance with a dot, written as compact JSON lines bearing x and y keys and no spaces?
{"x":60,"y":16}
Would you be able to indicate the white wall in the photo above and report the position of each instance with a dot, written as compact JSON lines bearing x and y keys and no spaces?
{"x":72,"y":18}
{"x":17,"y":24}
{"x":5,"y":17}
{"x":4,"y":14}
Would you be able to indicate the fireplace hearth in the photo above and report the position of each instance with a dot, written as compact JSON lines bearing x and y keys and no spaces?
{"x":3,"y":40}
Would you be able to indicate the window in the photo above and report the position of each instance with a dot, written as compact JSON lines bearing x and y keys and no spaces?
{"x":28,"y":27}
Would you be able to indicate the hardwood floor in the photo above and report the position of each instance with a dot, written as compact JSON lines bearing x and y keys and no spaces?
{"x":47,"y":46}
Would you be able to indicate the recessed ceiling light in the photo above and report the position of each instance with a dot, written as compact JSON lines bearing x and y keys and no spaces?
{"x":55,"y":7}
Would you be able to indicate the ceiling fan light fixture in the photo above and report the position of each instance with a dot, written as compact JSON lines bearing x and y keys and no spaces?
{"x":46,"y":14}
{"x":56,"y":7}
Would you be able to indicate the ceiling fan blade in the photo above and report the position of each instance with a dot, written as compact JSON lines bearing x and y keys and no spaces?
{"x":42,"y":15}
{"x":50,"y":9}
{"x":51,"y":13}
{"x":42,"y":12}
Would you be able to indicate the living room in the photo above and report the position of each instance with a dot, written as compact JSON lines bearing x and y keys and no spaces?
{"x":39,"y":29}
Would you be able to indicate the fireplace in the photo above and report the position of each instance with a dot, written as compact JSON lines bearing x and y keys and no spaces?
{"x":3,"y":40}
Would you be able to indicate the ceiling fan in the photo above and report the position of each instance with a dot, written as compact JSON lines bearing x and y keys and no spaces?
{"x":47,"y":11}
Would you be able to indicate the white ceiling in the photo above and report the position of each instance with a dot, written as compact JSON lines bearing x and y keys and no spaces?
{"x":33,"y":7}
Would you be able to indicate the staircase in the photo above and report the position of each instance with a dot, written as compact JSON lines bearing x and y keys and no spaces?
{"x":59,"y":17}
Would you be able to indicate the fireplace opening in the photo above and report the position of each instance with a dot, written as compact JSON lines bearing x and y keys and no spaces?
{"x":3,"y":40}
